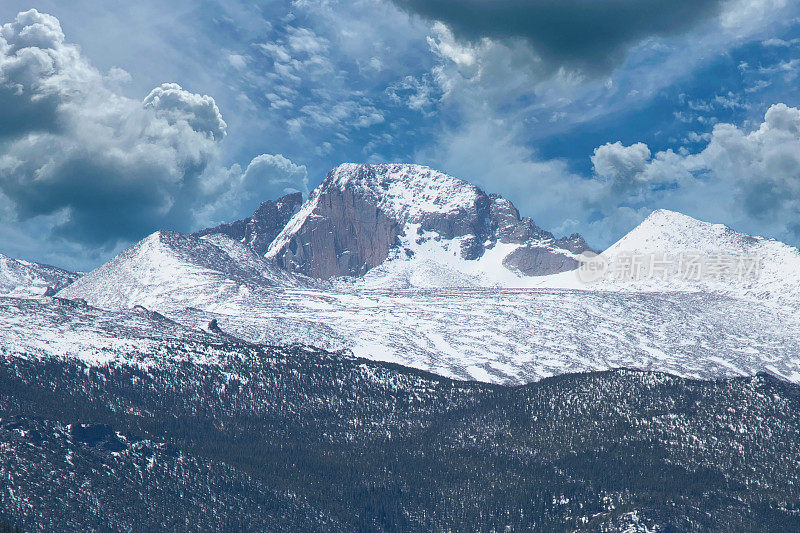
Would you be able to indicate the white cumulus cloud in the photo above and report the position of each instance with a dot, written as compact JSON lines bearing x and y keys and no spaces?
{"x":747,"y":179}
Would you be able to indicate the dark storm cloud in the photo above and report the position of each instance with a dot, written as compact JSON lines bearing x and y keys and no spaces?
{"x":22,"y":115}
{"x":591,"y":35}
{"x":27,"y":57}
{"x":111,"y":167}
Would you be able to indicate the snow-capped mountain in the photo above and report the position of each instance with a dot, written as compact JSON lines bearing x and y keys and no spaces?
{"x":24,"y":278}
{"x":670,"y":251}
{"x":729,"y":262}
{"x":488,"y":334}
{"x":127,"y":419}
{"x":259,"y":230}
{"x":432,"y":243}
{"x":421,"y":227}
{"x":168,"y":270}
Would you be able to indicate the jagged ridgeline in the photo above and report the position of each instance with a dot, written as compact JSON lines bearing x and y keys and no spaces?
{"x":297,"y":439}
{"x":363,"y":216}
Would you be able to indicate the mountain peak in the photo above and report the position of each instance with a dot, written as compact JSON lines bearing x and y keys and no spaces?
{"x":675,"y":218}
{"x":186,"y":270}
{"x":406,"y":191}
{"x":668,"y":214}
{"x":347,"y":172}
{"x":721,"y":260}
{"x":670,"y":231}
{"x":363,"y":215}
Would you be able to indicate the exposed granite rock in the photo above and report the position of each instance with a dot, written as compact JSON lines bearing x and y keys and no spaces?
{"x":574,"y":243}
{"x":538,"y":261}
{"x":472,"y":219}
{"x":260,"y":229}
{"x":359,"y":214}
{"x":508,"y":227}
{"x":541,"y":254}
{"x":346,"y":235}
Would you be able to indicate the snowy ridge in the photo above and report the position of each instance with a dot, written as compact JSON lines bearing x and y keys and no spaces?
{"x":664,"y":228}
{"x":407,"y":192}
{"x":668,"y":233}
{"x":294,"y":224}
{"x":182,"y":270}
{"x":60,"y":328}
{"x":24,"y":278}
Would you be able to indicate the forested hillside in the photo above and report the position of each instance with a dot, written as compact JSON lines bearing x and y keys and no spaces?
{"x":275,"y":439}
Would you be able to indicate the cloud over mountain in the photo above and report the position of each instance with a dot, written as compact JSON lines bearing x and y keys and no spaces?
{"x":113,"y":166}
{"x":234,"y":189}
{"x":622,"y":164}
{"x":201,"y":113}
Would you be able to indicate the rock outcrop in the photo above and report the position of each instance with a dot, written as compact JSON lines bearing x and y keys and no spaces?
{"x":259,"y":230}
{"x":345,"y":235}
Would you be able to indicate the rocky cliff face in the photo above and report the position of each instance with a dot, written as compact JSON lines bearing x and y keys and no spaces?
{"x":345,"y":235}
{"x":259,"y":230}
{"x":361,"y":214}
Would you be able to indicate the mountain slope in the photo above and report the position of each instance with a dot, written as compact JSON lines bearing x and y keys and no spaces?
{"x":519,"y":336}
{"x":489,"y":334}
{"x":774,"y":277}
{"x":272,"y":439}
{"x":260,"y":229}
{"x":500,"y":336}
{"x":71,"y":329}
{"x":88,"y":477}
{"x":181,"y":270}
{"x":363,"y":216}
{"x":670,"y":251}
{"x":23,"y":278}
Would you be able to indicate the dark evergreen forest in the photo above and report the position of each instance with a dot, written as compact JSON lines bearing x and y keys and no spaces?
{"x":306,"y":440}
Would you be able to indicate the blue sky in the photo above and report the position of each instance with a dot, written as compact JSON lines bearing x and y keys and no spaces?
{"x":116,"y":121}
